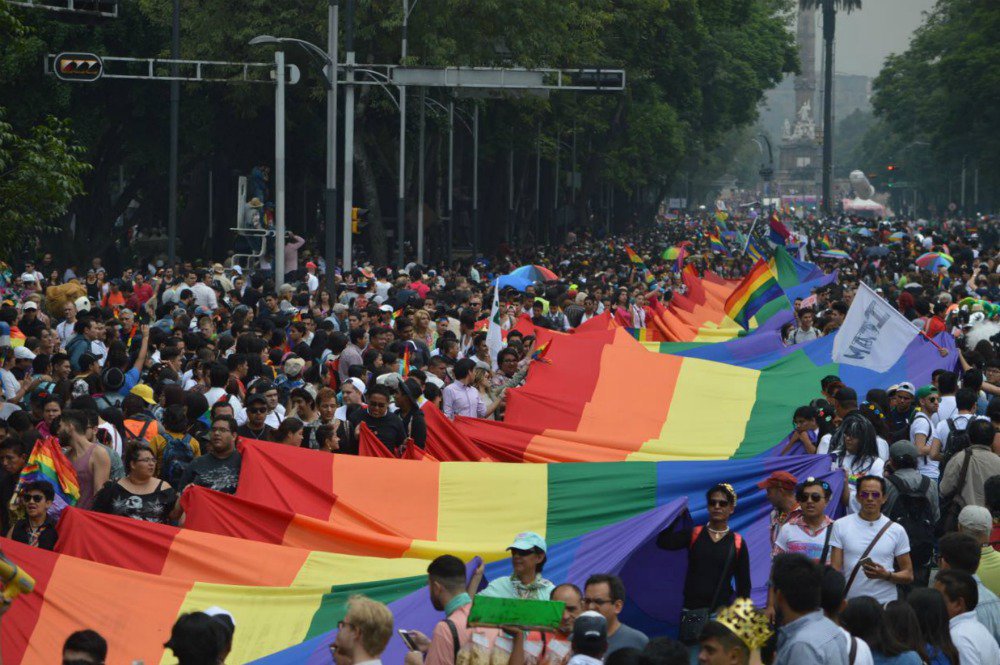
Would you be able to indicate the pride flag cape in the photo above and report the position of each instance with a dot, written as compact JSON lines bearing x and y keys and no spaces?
{"x":47,"y":462}
{"x":757,"y":289}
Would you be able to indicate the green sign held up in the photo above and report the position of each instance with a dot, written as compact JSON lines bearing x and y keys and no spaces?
{"x":528,"y":614}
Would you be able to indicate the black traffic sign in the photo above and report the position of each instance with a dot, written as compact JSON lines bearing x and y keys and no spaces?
{"x":78,"y":67}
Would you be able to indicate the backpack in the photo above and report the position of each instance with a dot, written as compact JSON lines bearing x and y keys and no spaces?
{"x":957,"y":441}
{"x":177,"y":455}
{"x":912,"y":511}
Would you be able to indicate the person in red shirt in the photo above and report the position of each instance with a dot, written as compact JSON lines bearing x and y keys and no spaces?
{"x":935,"y":324}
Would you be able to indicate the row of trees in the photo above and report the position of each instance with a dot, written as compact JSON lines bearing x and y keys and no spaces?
{"x":697,"y":69}
{"x":936,"y":108}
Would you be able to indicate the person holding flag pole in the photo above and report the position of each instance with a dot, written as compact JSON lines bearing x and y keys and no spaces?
{"x":494,"y":335}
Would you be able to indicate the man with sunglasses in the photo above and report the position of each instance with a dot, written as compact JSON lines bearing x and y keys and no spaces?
{"x":867,"y":546}
{"x":256,"y":426}
{"x":780,"y":488}
{"x":37,"y":529}
{"x":922,"y":431}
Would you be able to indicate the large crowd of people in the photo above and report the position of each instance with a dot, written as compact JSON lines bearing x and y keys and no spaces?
{"x":149,"y":378}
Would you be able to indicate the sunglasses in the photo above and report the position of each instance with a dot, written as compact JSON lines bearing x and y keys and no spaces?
{"x":258,"y":409}
{"x":717,"y":503}
{"x":34,"y":498}
{"x":870,"y":495}
{"x":815,"y":498}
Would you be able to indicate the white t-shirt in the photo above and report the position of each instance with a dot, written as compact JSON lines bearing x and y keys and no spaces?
{"x":10,"y":383}
{"x":116,"y":438}
{"x":863,"y":654}
{"x":960,"y":420}
{"x":877,"y":468}
{"x":922,"y":424}
{"x":823,"y":447}
{"x":852,"y":535}
{"x":214,"y":394}
{"x":793,"y":540}
{"x":947,"y":408}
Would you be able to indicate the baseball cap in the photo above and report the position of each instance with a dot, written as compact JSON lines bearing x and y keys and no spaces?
{"x":113,"y":379}
{"x":31,"y":304}
{"x":906,"y":387}
{"x":294,"y":366}
{"x":28,"y":277}
{"x":590,"y":628}
{"x":902,"y":449}
{"x":23,"y":353}
{"x":528,"y":540}
{"x":143,"y":391}
{"x":926,"y":391}
{"x":310,"y":264}
{"x":256,"y":398}
{"x":781,"y":479}
{"x":87,"y":359}
{"x":218,"y":269}
{"x":82,"y":304}
{"x":358,"y":384}
{"x":223,"y":616}
{"x":976,"y":518}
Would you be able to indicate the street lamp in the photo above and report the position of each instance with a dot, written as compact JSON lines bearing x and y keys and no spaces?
{"x":328,"y":70}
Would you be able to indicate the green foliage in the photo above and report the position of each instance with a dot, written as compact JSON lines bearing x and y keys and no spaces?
{"x":40,"y":167}
{"x":936,"y":101}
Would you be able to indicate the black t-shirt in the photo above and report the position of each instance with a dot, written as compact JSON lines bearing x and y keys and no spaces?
{"x":221,"y":475}
{"x":266,"y":434}
{"x":47,"y":537}
{"x":389,"y":428}
{"x":153,"y":507}
{"x":705,"y":563}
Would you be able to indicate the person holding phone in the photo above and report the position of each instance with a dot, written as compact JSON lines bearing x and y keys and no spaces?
{"x":871,"y":550}
{"x":446,"y":585}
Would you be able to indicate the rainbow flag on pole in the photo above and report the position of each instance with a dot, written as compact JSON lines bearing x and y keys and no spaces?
{"x":757,"y":289}
{"x":639,"y":264}
{"x":717,"y":245}
{"x":47,"y":462}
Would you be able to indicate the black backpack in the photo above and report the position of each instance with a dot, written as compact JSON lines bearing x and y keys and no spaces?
{"x":912,"y":511}
{"x":957,"y":441}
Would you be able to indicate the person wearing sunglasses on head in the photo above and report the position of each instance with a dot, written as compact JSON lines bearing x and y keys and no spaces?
{"x":718,"y":557}
{"x":869,"y":548}
{"x":37,"y":529}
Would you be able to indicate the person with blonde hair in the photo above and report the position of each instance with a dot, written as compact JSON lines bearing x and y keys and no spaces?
{"x":364,"y":631}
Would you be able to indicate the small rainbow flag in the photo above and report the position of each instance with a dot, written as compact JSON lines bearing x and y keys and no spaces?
{"x":539,"y":353}
{"x":715,"y":242}
{"x":824,"y":242}
{"x":639,"y":264}
{"x":404,"y":367}
{"x":757,"y":289}
{"x":779,"y":232}
{"x":721,"y":217}
{"x":47,"y":462}
{"x":398,"y":313}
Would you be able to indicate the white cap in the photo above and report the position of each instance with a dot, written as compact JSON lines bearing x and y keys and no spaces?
{"x":23,"y":353}
{"x":31,"y":304}
{"x":358,"y":383}
{"x":82,"y":304}
{"x":28,"y":277}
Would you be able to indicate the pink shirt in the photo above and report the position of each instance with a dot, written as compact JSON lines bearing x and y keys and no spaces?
{"x":442,"y":648}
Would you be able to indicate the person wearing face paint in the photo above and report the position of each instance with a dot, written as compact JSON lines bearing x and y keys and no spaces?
{"x":719,"y":560}
{"x":868,"y":547}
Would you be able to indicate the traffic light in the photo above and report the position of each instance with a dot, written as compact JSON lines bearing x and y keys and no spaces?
{"x":84,"y":67}
{"x":891,"y":167}
{"x":355,"y":213}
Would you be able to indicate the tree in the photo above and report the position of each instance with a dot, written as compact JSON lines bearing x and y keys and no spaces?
{"x":829,"y":8}
{"x":40,"y":167}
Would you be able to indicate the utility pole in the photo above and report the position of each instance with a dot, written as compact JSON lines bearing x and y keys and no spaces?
{"x":451,"y":176}
{"x":279,"y":168}
{"x":348,"y":135}
{"x":330,"y":195}
{"x":829,"y":30}
{"x":175,"y":111}
{"x":401,"y":200}
{"x":475,"y":181}
{"x":420,"y":179}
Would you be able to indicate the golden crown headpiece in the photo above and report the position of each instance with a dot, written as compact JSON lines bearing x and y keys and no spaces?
{"x":746,"y":623}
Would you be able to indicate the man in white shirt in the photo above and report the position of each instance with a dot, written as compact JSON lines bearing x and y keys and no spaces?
{"x":974,"y":643}
{"x":312,"y":280}
{"x":204,"y":294}
{"x":947,"y":383}
{"x":965,"y":412}
{"x":922,"y":431}
{"x":805,"y":332}
{"x":866,"y":546}
{"x":64,"y":330}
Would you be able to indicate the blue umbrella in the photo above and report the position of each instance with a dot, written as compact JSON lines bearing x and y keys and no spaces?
{"x":525,"y":276}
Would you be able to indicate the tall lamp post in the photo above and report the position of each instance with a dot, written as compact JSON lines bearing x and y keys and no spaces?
{"x":326,"y":60}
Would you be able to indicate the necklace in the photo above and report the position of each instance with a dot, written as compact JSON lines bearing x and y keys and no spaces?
{"x":717,"y":532}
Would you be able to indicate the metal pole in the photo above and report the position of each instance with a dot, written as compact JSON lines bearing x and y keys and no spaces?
{"x":538,"y":183}
{"x":451,"y":176}
{"x":348,"y":194}
{"x":510,"y":195}
{"x":175,"y":112}
{"x":573,"y":168}
{"x":475,"y":181}
{"x":211,"y":217}
{"x":829,"y":29}
{"x":420,"y":181}
{"x":279,"y":169}
{"x":330,"y":195}
{"x":975,"y":187}
{"x":401,"y":202}
{"x":554,"y":226}
{"x":963,"y":184}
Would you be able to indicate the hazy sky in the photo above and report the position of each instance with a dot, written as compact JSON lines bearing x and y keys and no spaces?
{"x":867,"y":36}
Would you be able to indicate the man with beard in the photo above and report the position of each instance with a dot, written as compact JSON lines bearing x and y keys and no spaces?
{"x":446,"y":583}
{"x":219,"y":470}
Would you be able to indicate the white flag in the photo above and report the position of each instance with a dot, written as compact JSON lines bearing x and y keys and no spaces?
{"x":874,"y":334}
{"x":494,"y":338}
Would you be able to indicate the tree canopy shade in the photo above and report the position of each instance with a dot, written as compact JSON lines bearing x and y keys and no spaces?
{"x":936,"y":103}
{"x":696,"y":71}
{"x":40,"y":166}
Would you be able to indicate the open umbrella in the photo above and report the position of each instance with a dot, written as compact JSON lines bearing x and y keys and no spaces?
{"x":834,"y":254}
{"x":879,"y":250}
{"x":934,"y":260}
{"x":519,"y":278}
{"x":898,"y":235}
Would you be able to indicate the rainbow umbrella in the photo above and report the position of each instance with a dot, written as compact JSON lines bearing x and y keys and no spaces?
{"x":898,"y":236}
{"x":834,"y":254}
{"x":519,"y":278}
{"x":934,"y":260}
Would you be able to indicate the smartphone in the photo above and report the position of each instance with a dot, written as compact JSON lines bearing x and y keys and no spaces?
{"x":410,"y":644}
{"x":867,"y":561}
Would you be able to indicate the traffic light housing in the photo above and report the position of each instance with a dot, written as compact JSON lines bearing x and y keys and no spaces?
{"x":84,"y":67}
